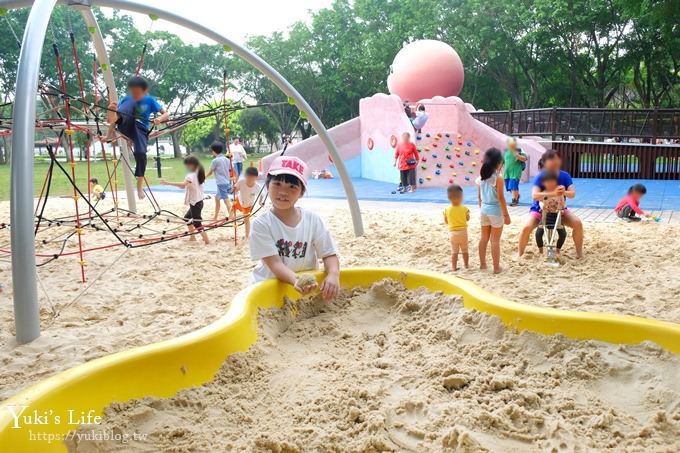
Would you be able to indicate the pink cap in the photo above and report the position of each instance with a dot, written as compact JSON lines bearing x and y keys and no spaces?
{"x":289,"y":165}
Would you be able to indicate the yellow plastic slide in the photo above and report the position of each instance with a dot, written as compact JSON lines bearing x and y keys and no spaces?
{"x":39,"y":418}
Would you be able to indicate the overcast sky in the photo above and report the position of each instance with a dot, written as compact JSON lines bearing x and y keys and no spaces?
{"x":235,"y":19}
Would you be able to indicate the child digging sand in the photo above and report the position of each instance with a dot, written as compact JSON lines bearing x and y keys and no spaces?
{"x":97,"y":190}
{"x":287,"y":239}
{"x":493,"y":209}
{"x":456,"y":217}
{"x":193,"y":184}
{"x":220,"y":167}
{"x":246,"y":194}
{"x":629,"y":205}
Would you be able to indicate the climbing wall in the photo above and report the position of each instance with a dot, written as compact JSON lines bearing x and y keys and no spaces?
{"x":447,"y":158}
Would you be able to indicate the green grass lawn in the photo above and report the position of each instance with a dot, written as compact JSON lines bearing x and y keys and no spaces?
{"x":172,"y":170}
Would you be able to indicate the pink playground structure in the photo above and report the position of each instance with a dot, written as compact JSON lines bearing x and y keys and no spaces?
{"x":450,"y":144}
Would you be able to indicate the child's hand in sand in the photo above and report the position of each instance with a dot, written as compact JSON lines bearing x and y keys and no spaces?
{"x":305,"y":284}
{"x":330,"y":287}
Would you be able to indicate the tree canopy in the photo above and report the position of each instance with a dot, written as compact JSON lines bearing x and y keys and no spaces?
{"x":516,"y":54}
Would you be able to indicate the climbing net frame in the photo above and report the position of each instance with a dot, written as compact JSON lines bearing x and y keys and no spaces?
{"x":24,"y":275}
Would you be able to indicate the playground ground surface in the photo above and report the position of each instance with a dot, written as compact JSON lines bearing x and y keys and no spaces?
{"x":595,"y":198}
{"x":139,"y":296}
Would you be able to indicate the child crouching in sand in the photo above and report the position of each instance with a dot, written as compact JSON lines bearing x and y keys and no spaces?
{"x":629,"y":205}
{"x":493,"y":209}
{"x":193,"y":184}
{"x":456,"y":217}
{"x":287,"y":239}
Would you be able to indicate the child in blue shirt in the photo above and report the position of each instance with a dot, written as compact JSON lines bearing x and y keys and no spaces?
{"x":132,"y":117}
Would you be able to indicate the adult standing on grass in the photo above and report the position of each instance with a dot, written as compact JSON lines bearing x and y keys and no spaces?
{"x":551,"y":161}
{"x":239,"y":153}
{"x":515,"y":163}
{"x":406,"y":159}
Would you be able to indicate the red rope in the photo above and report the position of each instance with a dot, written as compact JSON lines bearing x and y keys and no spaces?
{"x":69,"y":140}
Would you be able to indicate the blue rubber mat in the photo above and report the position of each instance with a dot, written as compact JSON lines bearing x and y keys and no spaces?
{"x":591,"y":193}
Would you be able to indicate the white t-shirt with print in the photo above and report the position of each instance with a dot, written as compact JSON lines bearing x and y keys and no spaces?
{"x":300,"y":247}
{"x":194,"y":191}
{"x":247,"y":195}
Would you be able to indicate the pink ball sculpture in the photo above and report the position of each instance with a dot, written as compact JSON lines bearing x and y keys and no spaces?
{"x":425,"y":69}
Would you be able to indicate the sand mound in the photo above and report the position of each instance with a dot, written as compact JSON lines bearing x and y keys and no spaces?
{"x":386,"y":369}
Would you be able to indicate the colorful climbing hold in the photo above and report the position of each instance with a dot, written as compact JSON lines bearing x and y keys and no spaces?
{"x":418,"y":137}
{"x":448,"y":148}
{"x":424,"y":167}
{"x":434,"y":156}
{"x":474,"y":164}
{"x":470,"y":171}
{"x":451,"y":181}
{"x":452,"y":166}
{"x":450,"y":142}
{"x":434,"y":145}
{"x":467,"y":178}
{"x":461,"y":163}
{"x":421,"y":180}
{"x":428,"y":177}
{"x":439,"y":165}
{"x":370,"y":144}
{"x":469,"y":143}
{"x":476,"y":151}
{"x":448,"y":156}
{"x":424,"y":159}
{"x":457,"y":148}
{"x":438,"y":172}
{"x":447,"y":135}
{"x":467,"y":153}
{"x":457,"y":154}
{"x":427,"y":135}
{"x":455,"y":174}
{"x":458,"y":136}
{"x":427,"y":148}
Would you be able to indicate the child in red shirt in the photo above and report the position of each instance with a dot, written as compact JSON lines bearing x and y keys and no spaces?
{"x":406,"y":159}
{"x":630,"y":204}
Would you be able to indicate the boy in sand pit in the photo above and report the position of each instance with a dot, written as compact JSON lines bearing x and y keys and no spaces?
{"x":132,"y":119}
{"x":246,"y":195}
{"x":287,"y":239}
{"x":219,"y":167}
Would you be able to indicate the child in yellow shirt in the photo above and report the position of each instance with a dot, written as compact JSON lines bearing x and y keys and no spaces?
{"x":456,"y":217}
{"x":97,"y":190}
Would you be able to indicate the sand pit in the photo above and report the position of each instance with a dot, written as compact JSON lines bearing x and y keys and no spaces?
{"x":142,"y":296}
{"x":386,"y":369}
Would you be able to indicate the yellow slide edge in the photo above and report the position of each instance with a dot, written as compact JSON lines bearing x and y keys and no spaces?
{"x":50,"y":409}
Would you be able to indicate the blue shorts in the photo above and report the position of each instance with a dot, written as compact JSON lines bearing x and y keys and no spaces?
{"x":511,"y":184}
{"x":223,"y":191}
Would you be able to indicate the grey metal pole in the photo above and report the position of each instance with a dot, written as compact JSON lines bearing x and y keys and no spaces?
{"x":24,"y":275}
{"x":272,"y":75}
{"x":104,"y":63}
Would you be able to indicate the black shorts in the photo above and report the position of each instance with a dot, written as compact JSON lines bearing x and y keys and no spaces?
{"x":193,"y":215}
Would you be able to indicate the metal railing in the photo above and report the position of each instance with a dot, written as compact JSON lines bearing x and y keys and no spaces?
{"x":567,"y":123}
{"x":619,"y":160}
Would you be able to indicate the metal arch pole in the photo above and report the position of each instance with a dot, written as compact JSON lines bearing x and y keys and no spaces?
{"x":272,"y":75}
{"x":24,"y":274}
{"x":104,"y":63}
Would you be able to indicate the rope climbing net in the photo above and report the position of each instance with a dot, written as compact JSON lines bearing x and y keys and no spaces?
{"x":62,"y":117}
